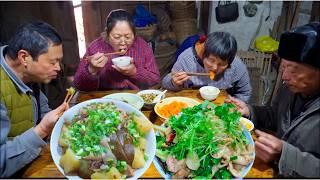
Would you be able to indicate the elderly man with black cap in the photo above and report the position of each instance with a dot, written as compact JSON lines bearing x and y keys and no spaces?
{"x":294,"y":116}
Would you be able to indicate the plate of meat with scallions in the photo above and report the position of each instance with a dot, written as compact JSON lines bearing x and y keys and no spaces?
{"x":103,"y":139}
{"x":204,"y":142}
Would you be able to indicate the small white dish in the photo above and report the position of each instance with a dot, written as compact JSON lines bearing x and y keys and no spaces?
{"x":151,"y":92}
{"x":247,"y":123}
{"x":121,"y":61}
{"x":159,"y":97}
{"x":132,"y":99}
{"x":209,"y":92}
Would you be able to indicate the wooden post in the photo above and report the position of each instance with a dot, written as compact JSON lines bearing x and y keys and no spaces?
{"x":278,"y":83}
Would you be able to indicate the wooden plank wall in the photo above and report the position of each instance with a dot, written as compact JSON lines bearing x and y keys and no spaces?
{"x":61,"y":16}
{"x":58,"y":14}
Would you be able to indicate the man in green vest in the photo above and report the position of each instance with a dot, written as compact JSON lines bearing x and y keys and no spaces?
{"x":32,"y":56}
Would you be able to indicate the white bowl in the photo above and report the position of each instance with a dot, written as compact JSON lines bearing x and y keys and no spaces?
{"x":150,"y":91}
{"x":209,"y":92}
{"x":132,"y":99}
{"x":247,"y":123}
{"x":121,"y":61}
{"x":56,"y":150}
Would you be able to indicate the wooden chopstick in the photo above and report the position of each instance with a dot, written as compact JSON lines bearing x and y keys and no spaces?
{"x":69,"y":96}
{"x":197,"y":74}
{"x":108,"y":54}
{"x":118,"y":52}
{"x":70,"y":92}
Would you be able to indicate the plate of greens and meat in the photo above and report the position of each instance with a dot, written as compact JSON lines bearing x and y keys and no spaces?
{"x":103,"y":139}
{"x":204,"y":141}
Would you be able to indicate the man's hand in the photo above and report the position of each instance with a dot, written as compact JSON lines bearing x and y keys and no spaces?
{"x":241,"y":106}
{"x":47,"y":123}
{"x":178,"y":78}
{"x":268,"y":147}
{"x":129,"y":70}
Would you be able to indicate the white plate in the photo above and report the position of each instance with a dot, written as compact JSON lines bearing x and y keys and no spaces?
{"x":189,"y":101}
{"x":132,"y":99}
{"x":167,"y":175}
{"x":56,"y":151}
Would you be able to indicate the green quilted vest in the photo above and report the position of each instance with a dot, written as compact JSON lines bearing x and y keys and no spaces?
{"x":18,"y":104}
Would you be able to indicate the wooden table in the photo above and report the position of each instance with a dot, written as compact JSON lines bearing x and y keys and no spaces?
{"x":44,"y":167}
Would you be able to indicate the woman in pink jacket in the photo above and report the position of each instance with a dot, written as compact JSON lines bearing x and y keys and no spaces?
{"x":96,"y":71}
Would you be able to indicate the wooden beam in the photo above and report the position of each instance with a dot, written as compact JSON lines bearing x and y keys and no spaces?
{"x":275,"y":28}
{"x":296,"y":13}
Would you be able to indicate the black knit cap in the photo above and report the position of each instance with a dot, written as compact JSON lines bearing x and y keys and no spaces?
{"x":302,"y":44}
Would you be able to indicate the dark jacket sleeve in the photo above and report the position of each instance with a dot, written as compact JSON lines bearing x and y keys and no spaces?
{"x":266,"y":117}
{"x":263,"y":117}
{"x":296,"y":163}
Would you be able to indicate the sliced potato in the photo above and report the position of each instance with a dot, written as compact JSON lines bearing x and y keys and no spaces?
{"x":143,"y":123}
{"x":113,"y":173}
{"x":69,"y":162}
{"x":63,"y":139}
{"x":138,"y":161}
{"x":98,"y":175}
{"x":143,"y":144}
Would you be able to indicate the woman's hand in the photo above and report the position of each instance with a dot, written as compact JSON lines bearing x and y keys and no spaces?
{"x":268,"y":147}
{"x":129,"y":70}
{"x":241,"y":106}
{"x":97,"y":62}
{"x":178,"y":78}
{"x":47,"y":123}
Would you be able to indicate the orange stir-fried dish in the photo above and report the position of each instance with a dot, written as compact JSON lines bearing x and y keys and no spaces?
{"x":212,"y":75}
{"x":172,"y":108}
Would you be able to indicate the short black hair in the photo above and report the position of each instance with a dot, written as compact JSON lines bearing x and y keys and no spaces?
{"x":34,"y":37}
{"x":222,"y":45}
{"x":119,"y":15}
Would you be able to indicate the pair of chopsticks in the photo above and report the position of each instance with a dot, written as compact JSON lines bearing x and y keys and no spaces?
{"x":197,"y":74}
{"x":70,"y":92}
{"x":108,"y":54}
{"x":211,"y":74}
